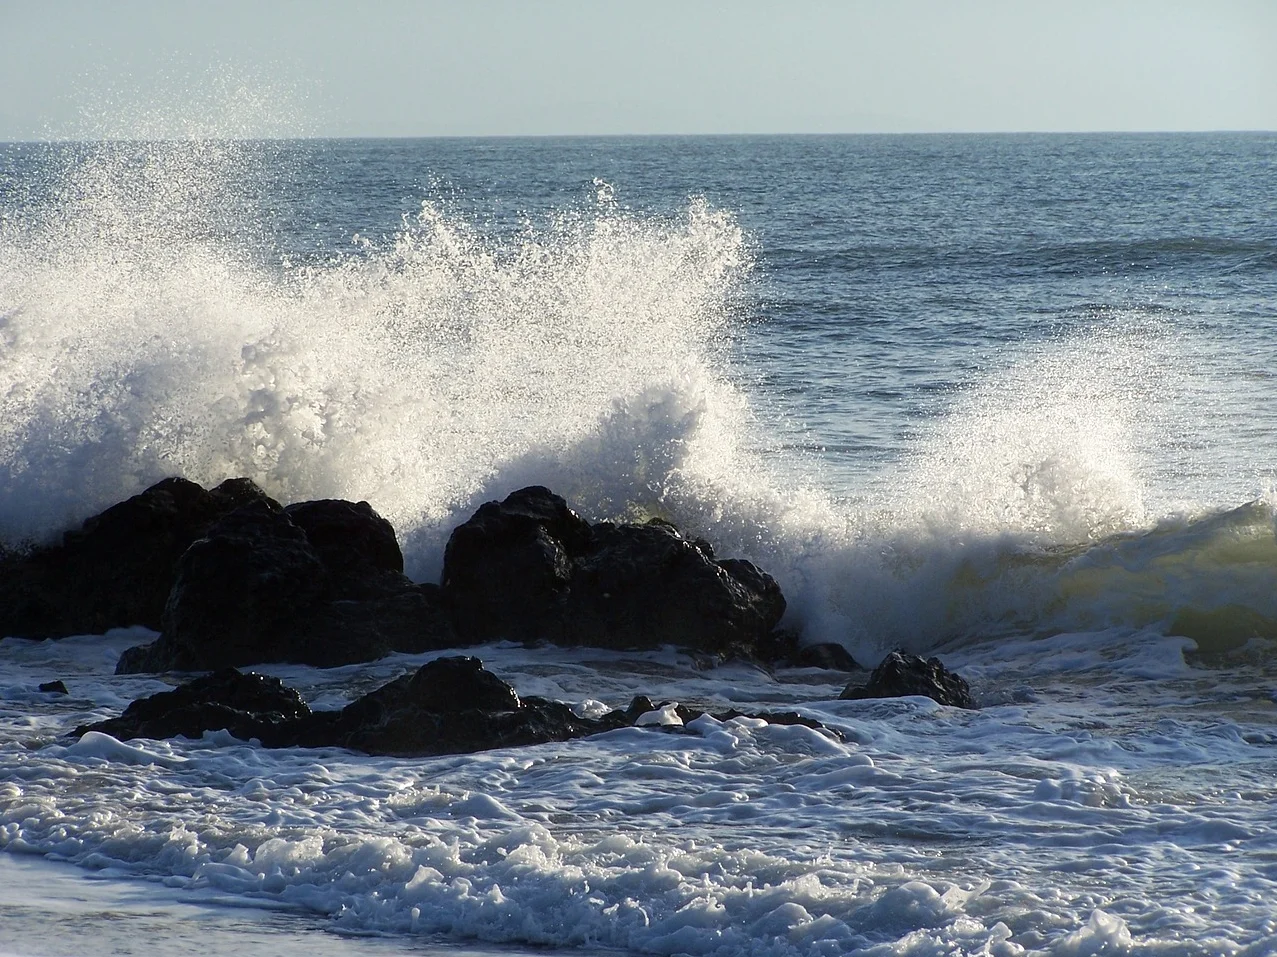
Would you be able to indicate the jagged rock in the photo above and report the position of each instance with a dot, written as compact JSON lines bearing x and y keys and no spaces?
{"x":246,"y":705}
{"x":356,"y":545}
{"x":448,"y":706}
{"x":453,"y":706}
{"x":644,"y":585}
{"x":231,"y":578}
{"x":529,"y":568}
{"x":53,"y":687}
{"x":506,"y":570}
{"x":256,"y":589}
{"x":117,"y":569}
{"x":455,"y":684}
{"x":901,"y":674}
{"x":237,"y":595}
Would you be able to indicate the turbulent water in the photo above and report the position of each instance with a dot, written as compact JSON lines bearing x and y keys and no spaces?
{"x":1006,"y":399}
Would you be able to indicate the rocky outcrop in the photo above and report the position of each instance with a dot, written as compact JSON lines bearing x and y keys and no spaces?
{"x":530,"y":568}
{"x":901,"y":674}
{"x":246,"y":705}
{"x":117,"y":569}
{"x":230,"y":578}
{"x":507,"y":571}
{"x":449,"y":706}
{"x":357,"y":547}
{"x":259,"y":588}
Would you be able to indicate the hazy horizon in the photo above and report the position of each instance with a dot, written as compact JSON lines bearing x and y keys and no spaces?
{"x":74,"y":69}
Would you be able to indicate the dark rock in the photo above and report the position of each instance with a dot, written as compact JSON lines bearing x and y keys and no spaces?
{"x":257,"y":589}
{"x":506,"y":571}
{"x":117,"y":569}
{"x":771,"y":717}
{"x":352,"y":540}
{"x":246,"y":705}
{"x":783,"y":646}
{"x":410,"y":620}
{"x":640,"y":586}
{"x":901,"y":674}
{"x":448,"y":706}
{"x":240,"y":590}
{"x":529,"y":568}
{"x":639,"y":706}
{"x":229,"y":578}
{"x":54,"y":687}
{"x":460,"y":684}
{"x":828,"y":655}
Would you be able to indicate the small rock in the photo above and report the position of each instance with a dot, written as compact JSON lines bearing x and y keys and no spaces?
{"x":827,"y":655}
{"x":54,"y":687}
{"x":901,"y":674}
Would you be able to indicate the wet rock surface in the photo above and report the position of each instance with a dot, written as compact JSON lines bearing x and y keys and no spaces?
{"x":257,"y":589}
{"x":230,"y":579}
{"x":451,"y":705}
{"x":901,"y":674}
{"x":508,"y":569}
{"x":530,"y":568}
{"x":117,"y":569}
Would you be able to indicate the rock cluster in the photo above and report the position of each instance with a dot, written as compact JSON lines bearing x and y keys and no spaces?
{"x":318,"y":583}
{"x":230,"y":578}
{"x":531,"y":568}
{"x":449,"y":706}
{"x":117,"y":569}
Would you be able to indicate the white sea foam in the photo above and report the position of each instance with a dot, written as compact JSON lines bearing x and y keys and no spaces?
{"x":1075,"y":827}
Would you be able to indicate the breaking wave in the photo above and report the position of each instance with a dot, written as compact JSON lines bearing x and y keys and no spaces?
{"x":144,"y":333}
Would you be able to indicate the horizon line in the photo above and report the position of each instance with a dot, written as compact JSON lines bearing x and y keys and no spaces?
{"x":1152,"y":131}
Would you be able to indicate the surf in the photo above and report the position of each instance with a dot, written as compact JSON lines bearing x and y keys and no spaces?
{"x":151,"y":326}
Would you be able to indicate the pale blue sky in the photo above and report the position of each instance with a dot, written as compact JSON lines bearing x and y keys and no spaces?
{"x":401,"y":68}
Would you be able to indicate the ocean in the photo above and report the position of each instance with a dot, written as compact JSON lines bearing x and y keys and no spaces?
{"x":1007,"y":400}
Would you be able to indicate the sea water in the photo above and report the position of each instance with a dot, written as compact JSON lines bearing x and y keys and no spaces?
{"x":1004,"y":399}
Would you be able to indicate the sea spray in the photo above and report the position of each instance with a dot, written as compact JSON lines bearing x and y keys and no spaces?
{"x":150,"y":328}
{"x":141,"y":342}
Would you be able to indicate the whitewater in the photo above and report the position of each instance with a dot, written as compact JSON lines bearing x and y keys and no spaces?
{"x":1007,"y":400}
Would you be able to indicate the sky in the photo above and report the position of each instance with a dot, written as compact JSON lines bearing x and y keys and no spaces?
{"x":91,"y":68}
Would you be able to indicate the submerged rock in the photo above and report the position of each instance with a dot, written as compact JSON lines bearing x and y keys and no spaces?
{"x":116,"y":570}
{"x":901,"y":674}
{"x":784,"y":646}
{"x":450,"y":705}
{"x":246,"y":705}
{"x":827,"y":655}
{"x":529,"y":568}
